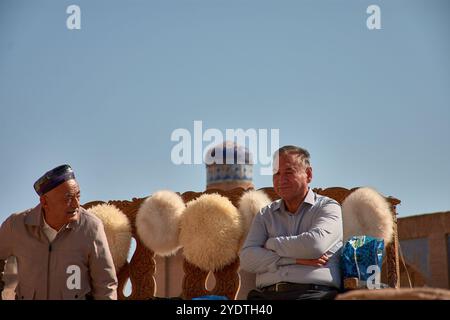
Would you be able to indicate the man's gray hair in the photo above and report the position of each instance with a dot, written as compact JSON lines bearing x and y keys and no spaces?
{"x":303,"y":154}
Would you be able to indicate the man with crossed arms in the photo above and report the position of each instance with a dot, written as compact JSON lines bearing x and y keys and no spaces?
{"x":294,"y":243}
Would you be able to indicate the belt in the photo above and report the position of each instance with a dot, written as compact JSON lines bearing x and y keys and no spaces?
{"x":289,"y":286}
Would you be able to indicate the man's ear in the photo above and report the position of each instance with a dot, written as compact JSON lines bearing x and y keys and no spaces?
{"x":309,"y":174}
{"x":43,"y":201}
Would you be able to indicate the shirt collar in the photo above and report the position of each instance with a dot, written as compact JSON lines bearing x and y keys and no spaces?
{"x":45,"y":224}
{"x":309,"y":199}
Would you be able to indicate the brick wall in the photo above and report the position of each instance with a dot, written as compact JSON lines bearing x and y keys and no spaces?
{"x":434,"y":229}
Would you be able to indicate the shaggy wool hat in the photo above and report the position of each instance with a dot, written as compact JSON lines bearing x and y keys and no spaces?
{"x":158,"y":221}
{"x":117,"y":229}
{"x":366,"y":212}
{"x":249,"y":205}
{"x":210,"y":232}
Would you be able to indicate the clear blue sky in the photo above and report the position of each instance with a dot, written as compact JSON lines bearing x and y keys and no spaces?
{"x":372,"y":107}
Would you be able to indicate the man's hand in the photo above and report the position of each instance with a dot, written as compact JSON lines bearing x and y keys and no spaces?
{"x":320,"y":262}
{"x":269,"y":245}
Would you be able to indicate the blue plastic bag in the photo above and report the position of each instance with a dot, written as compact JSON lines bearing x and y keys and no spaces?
{"x":358,"y":254}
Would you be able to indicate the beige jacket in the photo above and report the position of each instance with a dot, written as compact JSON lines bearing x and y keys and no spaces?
{"x":75,"y":265}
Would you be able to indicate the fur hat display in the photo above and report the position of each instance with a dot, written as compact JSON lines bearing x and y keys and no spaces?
{"x":117,"y":229}
{"x":366,"y":212}
{"x":158,"y":221}
{"x":249,"y":205}
{"x":210,"y":233}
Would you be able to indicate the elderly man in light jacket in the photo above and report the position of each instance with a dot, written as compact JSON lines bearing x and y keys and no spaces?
{"x":61,"y":249}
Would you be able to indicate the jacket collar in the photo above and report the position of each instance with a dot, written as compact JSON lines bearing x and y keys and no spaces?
{"x":34,"y":218}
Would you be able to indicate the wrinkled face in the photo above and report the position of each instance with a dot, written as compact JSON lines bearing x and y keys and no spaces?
{"x":291,"y":179}
{"x":63,"y":202}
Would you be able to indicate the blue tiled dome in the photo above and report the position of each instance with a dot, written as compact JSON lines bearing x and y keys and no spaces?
{"x":232,"y":153}
{"x":236,"y":164}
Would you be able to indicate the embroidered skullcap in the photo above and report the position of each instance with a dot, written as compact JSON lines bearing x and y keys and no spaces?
{"x":53,"y":178}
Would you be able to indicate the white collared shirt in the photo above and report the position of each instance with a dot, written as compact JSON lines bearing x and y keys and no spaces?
{"x":49,"y":231}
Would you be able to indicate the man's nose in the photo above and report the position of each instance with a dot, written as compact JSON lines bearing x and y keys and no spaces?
{"x":74,"y":202}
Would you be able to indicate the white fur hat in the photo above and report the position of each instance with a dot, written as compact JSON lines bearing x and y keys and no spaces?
{"x":117,"y":229}
{"x":366,"y":212}
{"x":158,"y":220}
{"x":210,"y":232}
{"x":249,"y":205}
